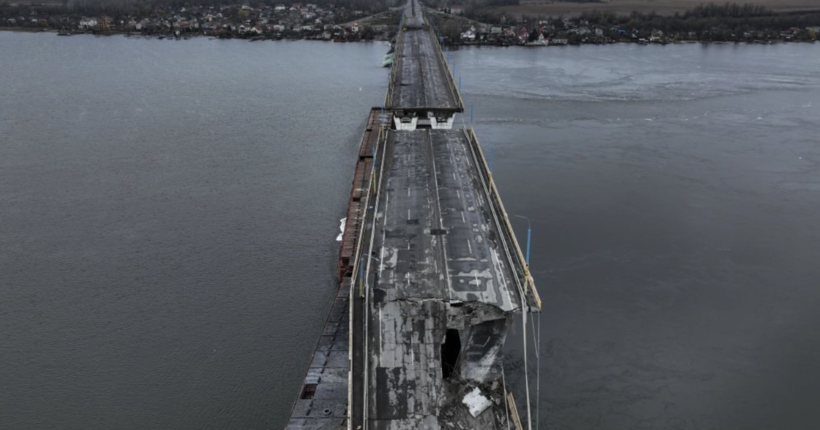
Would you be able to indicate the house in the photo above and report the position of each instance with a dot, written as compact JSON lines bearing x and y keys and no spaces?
{"x":539,"y":39}
{"x":87,"y":23}
{"x":468,"y":36}
{"x":790,"y":33}
{"x":256,"y":30}
{"x":523,"y":34}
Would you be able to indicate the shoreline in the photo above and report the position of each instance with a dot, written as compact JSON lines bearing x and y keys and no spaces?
{"x":449,"y":45}
{"x":184,"y":36}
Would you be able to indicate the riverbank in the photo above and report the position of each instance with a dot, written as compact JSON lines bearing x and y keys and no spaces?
{"x":296,"y":21}
{"x":708,"y":24}
{"x":185,"y":36}
{"x":387,"y":38}
{"x":725,"y":23}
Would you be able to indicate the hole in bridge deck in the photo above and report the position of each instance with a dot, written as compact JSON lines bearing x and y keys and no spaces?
{"x":308,"y":391}
{"x":450,"y":350}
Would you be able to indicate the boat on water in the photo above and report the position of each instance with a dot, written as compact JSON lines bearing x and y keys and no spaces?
{"x":389,"y":57}
{"x":388,"y":60}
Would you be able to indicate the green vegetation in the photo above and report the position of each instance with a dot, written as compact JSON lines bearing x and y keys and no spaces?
{"x":713,"y":22}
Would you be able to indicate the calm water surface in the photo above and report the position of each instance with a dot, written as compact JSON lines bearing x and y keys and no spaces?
{"x":167,"y":223}
{"x":675,"y":199}
{"x":168,"y":209}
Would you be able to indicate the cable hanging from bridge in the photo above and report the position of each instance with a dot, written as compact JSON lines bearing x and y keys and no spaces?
{"x":536,"y":338}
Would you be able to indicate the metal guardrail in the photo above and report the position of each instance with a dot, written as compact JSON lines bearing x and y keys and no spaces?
{"x":372,"y":191}
{"x":451,"y":82}
{"x":533,"y":298}
{"x":397,"y":56}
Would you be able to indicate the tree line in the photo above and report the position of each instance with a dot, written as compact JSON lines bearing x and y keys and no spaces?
{"x":146,"y":7}
{"x":729,"y":17}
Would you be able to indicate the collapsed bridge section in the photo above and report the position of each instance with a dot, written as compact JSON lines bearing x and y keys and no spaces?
{"x":442,"y":284}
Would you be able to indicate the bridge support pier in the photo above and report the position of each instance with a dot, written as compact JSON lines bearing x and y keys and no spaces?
{"x":410,"y":121}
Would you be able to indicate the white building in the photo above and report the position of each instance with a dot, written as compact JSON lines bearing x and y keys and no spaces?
{"x":87,"y":23}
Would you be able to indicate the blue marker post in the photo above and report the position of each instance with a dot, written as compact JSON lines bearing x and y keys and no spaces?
{"x":471,"y":113}
{"x":529,"y":237}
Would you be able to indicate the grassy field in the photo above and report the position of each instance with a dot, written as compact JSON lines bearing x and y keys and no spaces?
{"x":663,"y":7}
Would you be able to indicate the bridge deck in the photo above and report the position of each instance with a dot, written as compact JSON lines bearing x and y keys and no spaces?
{"x":413,"y":15}
{"x":440,"y":269}
{"x":436,"y":237}
{"x":322,"y":402}
{"x":432,"y":267}
{"x":421,"y":80}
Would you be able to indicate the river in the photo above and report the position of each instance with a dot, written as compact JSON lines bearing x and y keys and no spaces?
{"x":168,"y":210}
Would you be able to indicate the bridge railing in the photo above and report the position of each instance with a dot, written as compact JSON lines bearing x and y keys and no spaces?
{"x":451,"y":82}
{"x":397,"y":58}
{"x":359,"y":294}
{"x":522,"y":268}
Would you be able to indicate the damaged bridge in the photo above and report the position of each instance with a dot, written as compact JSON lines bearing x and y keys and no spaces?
{"x":430,"y":272}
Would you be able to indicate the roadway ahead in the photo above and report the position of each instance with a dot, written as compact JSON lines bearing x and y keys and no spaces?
{"x":420,"y":80}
